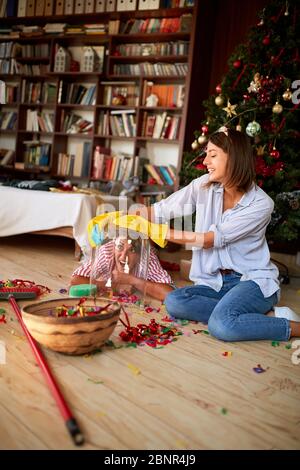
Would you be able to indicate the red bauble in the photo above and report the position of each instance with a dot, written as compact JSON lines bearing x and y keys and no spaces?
{"x":275,"y":153}
{"x":237,"y":64}
{"x":266,"y":40}
{"x":204,"y":129}
{"x":246,"y":97}
{"x":219,"y":89}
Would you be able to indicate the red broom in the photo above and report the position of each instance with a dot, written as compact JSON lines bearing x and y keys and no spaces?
{"x":64,"y":409}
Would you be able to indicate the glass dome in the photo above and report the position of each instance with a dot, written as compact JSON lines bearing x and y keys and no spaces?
{"x":119,"y":258}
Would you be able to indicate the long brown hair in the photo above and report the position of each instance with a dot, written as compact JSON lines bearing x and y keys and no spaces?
{"x":240,"y":165}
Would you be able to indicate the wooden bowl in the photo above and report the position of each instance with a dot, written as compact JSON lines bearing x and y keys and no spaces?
{"x":70,"y":335}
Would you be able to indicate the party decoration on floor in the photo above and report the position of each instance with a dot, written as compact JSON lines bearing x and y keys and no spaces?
{"x":275,"y":344}
{"x":135,"y":370}
{"x":259,"y":370}
{"x":154,"y":334}
{"x":3,"y":318}
{"x":227,"y":353}
{"x":21,"y":288}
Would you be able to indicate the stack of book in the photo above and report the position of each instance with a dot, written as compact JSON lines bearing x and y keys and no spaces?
{"x":163,"y":175}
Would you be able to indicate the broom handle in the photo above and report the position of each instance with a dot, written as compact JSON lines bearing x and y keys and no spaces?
{"x":64,"y":409}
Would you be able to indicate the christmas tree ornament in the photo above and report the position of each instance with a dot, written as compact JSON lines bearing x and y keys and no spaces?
{"x":286,"y":13}
{"x":287,"y":95}
{"x":246,"y":97}
{"x":202,"y":139}
{"x":260,"y":150}
{"x":219,"y":89}
{"x":230,"y":109}
{"x":255,"y":84}
{"x":219,"y":100}
{"x":275,"y":153}
{"x":266,"y":40}
{"x":253,"y":129}
{"x":277,"y":108}
{"x":237,"y":64}
{"x":204,"y":129}
{"x":261,"y":23}
{"x":195,"y":145}
{"x":239,"y":128}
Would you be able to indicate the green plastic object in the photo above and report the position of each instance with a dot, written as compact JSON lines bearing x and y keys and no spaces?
{"x":83,"y":290}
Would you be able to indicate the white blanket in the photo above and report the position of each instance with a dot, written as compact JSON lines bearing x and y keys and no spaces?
{"x":23,"y":211}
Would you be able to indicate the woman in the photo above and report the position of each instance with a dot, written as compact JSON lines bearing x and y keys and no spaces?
{"x":236,"y":285}
{"x":117,"y":260}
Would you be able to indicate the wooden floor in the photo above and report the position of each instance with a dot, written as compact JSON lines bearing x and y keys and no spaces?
{"x":186,"y":396}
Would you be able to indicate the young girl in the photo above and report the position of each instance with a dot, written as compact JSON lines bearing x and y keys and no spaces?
{"x":236,"y":285}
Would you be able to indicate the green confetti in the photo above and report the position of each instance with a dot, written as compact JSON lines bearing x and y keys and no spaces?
{"x":159,"y":347}
{"x":275,"y":343}
{"x":97,"y":382}
{"x":131,"y":345}
{"x":184,"y":322}
{"x":111,"y":344}
{"x":288,"y":346}
{"x":2,"y":310}
{"x":205,"y":332}
{"x":224,"y":411}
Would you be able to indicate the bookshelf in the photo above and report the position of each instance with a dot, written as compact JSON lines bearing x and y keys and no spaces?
{"x":99,"y":95}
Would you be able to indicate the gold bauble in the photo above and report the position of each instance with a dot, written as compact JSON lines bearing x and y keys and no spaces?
{"x":277,"y":108}
{"x":195,"y":145}
{"x":219,"y":100}
{"x":202,"y":139}
{"x":287,"y":95}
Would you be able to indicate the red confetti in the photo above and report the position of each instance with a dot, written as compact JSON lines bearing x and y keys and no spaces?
{"x":2,"y":319}
{"x":153,"y":334}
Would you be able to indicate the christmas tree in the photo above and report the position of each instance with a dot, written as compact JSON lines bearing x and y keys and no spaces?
{"x":260,"y":95}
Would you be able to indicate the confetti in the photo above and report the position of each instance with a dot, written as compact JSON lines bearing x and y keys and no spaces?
{"x":275,"y":343}
{"x":224,"y":411}
{"x":96,"y":382}
{"x":62,"y":291}
{"x":227,"y":353}
{"x":259,"y":369}
{"x":111,"y":344}
{"x":135,"y":370}
{"x":3,"y":319}
{"x":87,"y":356}
{"x":2,"y":310}
{"x":154,"y":334}
{"x":181,"y":444}
{"x":288,"y":346}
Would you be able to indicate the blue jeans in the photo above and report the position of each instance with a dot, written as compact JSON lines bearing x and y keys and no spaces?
{"x":236,"y":313}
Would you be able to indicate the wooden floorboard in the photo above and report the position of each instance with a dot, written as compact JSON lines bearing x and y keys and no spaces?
{"x":186,"y":396}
